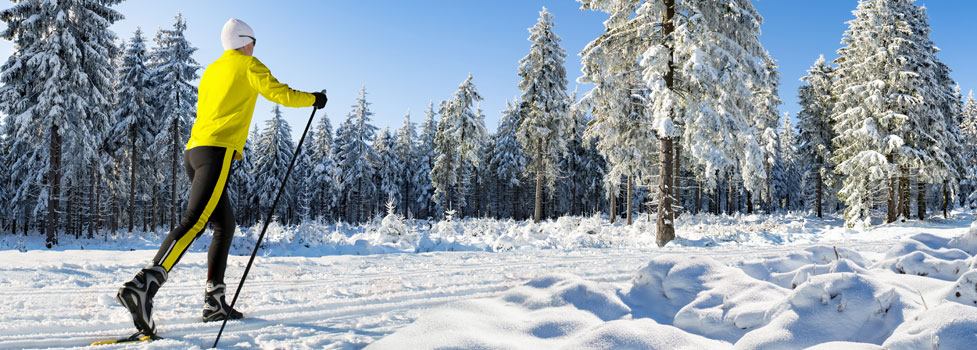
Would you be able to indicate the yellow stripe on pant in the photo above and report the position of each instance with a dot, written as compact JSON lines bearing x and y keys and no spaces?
{"x":184,"y":242}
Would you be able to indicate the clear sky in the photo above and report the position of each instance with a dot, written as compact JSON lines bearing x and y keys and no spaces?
{"x":408,"y":53}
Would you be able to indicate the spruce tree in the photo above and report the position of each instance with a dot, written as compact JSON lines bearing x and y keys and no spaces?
{"x":322,"y":184}
{"x":273,"y":152}
{"x":58,"y":84}
{"x":389,"y":168}
{"x":135,"y":123}
{"x":174,"y":74}
{"x":508,"y":160}
{"x":407,"y":157}
{"x":355,"y":157}
{"x":425,"y":200}
{"x":457,"y":143}
{"x":814,"y":125}
{"x":544,"y":127}
{"x":968,"y":127}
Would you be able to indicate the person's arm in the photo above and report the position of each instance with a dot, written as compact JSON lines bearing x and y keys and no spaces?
{"x":261,"y":79}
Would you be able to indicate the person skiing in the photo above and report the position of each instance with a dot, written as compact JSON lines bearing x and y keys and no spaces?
{"x":227,"y":94}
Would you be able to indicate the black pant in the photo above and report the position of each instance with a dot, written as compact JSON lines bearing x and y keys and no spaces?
{"x":209,"y":169}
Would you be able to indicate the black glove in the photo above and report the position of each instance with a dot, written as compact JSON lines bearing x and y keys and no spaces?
{"x":320,"y":100}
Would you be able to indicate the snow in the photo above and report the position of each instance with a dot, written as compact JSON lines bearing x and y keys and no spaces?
{"x":731,"y":282}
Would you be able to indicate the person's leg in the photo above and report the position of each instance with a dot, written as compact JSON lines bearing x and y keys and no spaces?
{"x":211,"y":167}
{"x":215,"y":303}
{"x":208,"y":168}
{"x":222,"y":221}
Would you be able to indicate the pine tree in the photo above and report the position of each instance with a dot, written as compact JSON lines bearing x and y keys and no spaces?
{"x":407,"y":157}
{"x":891,"y":111}
{"x":174,"y":73}
{"x":543,"y":131}
{"x":968,"y":127}
{"x":814,"y":148}
{"x":273,"y":152}
{"x":57,"y":85}
{"x":766,"y":99}
{"x":461,"y":132}
{"x":356,"y":157}
{"x":425,"y":162}
{"x":389,"y":168}
{"x":135,"y":127}
{"x":241,"y":187}
{"x":790,"y":189}
{"x":508,"y":160}
{"x":322,"y":184}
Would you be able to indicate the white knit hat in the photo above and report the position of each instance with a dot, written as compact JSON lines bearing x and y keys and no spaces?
{"x":236,"y":34}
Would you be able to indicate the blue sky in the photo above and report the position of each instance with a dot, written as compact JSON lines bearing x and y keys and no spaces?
{"x":408,"y":53}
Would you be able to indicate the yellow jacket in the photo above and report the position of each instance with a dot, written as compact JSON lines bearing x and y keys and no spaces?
{"x":228,"y":91}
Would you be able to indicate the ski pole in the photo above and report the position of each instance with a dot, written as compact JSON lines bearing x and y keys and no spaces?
{"x":265,"y":226}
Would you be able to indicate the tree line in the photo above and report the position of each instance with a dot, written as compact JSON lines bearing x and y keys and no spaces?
{"x":683,"y":117}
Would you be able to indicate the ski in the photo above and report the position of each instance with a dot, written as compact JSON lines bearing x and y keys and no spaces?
{"x":138,"y":337}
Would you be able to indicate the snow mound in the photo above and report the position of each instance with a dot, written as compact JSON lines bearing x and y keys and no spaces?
{"x":550,"y":312}
{"x":964,"y":291}
{"x":702,"y":296}
{"x":931,"y":256}
{"x":833,"y":307}
{"x":796,"y":267}
{"x":932,"y":329}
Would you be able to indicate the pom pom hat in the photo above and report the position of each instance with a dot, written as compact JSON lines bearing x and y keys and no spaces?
{"x":236,"y":34}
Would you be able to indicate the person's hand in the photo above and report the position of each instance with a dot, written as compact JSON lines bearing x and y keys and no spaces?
{"x":320,"y":99}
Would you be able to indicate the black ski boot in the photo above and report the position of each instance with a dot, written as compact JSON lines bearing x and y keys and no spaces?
{"x":215,"y":307}
{"x":137,"y":296}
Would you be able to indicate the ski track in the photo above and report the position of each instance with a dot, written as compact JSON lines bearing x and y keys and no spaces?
{"x":330,"y":302}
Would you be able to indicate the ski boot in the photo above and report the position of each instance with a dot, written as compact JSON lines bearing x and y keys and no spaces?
{"x":215,"y":306}
{"x":137,"y":296}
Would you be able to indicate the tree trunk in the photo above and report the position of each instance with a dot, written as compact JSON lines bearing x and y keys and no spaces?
{"x":818,"y":194}
{"x":538,"y":215}
{"x":946,"y":200}
{"x":461,"y":175}
{"x":54,"y":180}
{"x":698,"y":196}
{"x":132,"y":179}
{"x":630,"y":199}
{"x":175,"y":164}
{"x":729,"y":194}
{"x":768,"y":197}
{"x":906,"y":195}
{"x":665,"y":225}
{"x":677,"y":189}
{"x":98,"y":203}
{"x":152,"y":220}
{"x":613,"y":204}
{"x":921,"y":200}
{"x":891,"y":210}
{"x":749,"y":202}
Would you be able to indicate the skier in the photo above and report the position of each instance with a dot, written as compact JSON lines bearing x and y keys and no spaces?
{"x":228,"y":91}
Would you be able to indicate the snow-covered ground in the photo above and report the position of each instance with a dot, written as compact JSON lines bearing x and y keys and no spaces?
{"x":745,"y":282}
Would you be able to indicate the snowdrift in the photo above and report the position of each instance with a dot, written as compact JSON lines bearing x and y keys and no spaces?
{"x":920,"y":294}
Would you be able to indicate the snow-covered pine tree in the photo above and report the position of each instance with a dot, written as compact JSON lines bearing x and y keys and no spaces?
{"x":425,"y":156}
{"x":621,"y":127}
{"x":766,"y":100}
{"x":815,"y":131}
{"x":57,"y":85}
{"x":355,"y":157}
{"x":545,"y":123}
{"x":322,"y":184}
{"x":273,"y":151}
{"x":508,"y":160}
{"x":407,"y":156}
{"x":790,"y":191}
{"x":135,"y":125}
{"x":389,"y":168}
{"x":889,"y":111}
{"x":968,"y":127}
{"x":174,"y":74}
{"x":241,"y":187}
{"x":457,"y":143}
{"x":704,"y":105}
